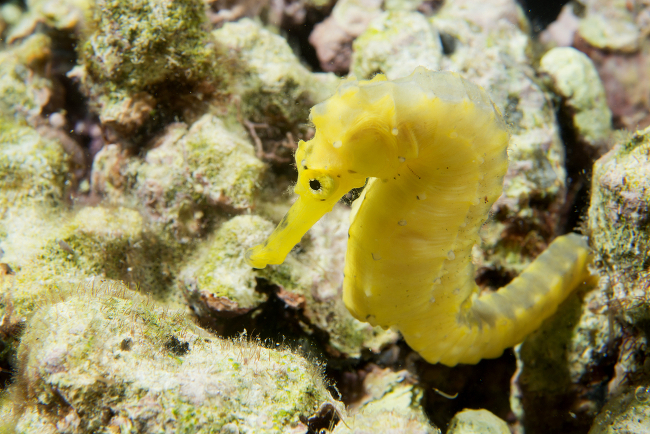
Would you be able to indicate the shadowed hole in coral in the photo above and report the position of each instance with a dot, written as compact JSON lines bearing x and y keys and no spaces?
{"x":448,"y":43}
{"x":579,"y":157}
{"x":272,"y":322}
{"x":67,"y":100}
{"x":323,"y":421}
{"x":278,"y":325}
{"x":177,"y":347}
{"x":541,"y":13}
{"x":484,"y":385}
{"x":297,"y":34}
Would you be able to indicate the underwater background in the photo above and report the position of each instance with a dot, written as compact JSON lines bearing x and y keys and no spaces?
{"x":146,"y":145}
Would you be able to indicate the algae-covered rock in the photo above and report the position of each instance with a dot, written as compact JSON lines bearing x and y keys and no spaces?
{"x":610,"y":25}
{"x":619,"y":225}
{"x":576,"y":80}
{"x":141,"y":56}
{"x":65,"y":15}
{"x":106,"y":360}
{"x":391,"y":405}
{"x":68,"y":247}
{"x":626,"y":413}
{"x":24,"y":86}
{"x":477,"y":422}
{"x":220,"y":282}
{"x":275,"y":88}
{"x":192,"y":173}
{"x":396,"y":43}
{"x":32,"y":168}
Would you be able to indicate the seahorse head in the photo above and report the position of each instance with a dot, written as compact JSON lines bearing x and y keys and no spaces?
{"x":355,"y":139}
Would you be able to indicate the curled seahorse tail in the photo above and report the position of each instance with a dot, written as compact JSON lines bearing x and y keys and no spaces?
{"x":502,"y":319}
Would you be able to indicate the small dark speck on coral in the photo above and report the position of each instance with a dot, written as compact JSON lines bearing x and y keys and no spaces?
{"x":177,"y":347}
{"x":126,"y":344}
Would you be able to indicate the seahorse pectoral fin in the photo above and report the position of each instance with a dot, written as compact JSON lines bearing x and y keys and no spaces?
{"x":302,"y":215}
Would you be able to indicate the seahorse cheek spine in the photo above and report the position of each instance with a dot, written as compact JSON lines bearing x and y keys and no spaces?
{"x":434,"y":147}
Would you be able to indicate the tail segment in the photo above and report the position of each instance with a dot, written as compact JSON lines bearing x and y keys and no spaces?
{"x":503,"y":318}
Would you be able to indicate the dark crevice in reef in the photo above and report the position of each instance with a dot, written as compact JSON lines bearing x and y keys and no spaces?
{"x":297,"y":34}
{"x":76,"y":132}
{"x":541,"y":13}
{"x":580,"y":157}
{"x":274,"y":323}
{"x":484,"y":385}
{"x":22,"y":4}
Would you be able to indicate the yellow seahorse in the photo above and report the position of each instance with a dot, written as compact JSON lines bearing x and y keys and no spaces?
{"x":434,"y":147}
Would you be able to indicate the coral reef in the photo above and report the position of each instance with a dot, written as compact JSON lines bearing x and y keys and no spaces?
{"x":145,"y":145}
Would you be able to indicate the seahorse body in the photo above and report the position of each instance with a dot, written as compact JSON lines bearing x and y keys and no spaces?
{"x":434,"y":148}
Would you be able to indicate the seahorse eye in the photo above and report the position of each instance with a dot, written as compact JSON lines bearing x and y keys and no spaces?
{"x":314,"y":184}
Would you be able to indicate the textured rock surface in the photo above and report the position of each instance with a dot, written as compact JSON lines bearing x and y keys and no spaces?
{"x":629,"y":412}
{"x":611,"y":25}
{"x":477,"y":422}
{"x":333,"y":38}
{"x":390,"y":405}
{"x":274,"y":87}
{"x":220,"y":282}
{"x":576,"y":80}
{"x":32,"y":169}
{"x":395,"y":43}
{"x":134,"y":60}
{"x":595,"y":348}
{"x":189,"y":176}
{"x":24,"y":86}
{"x":619,"y":218}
